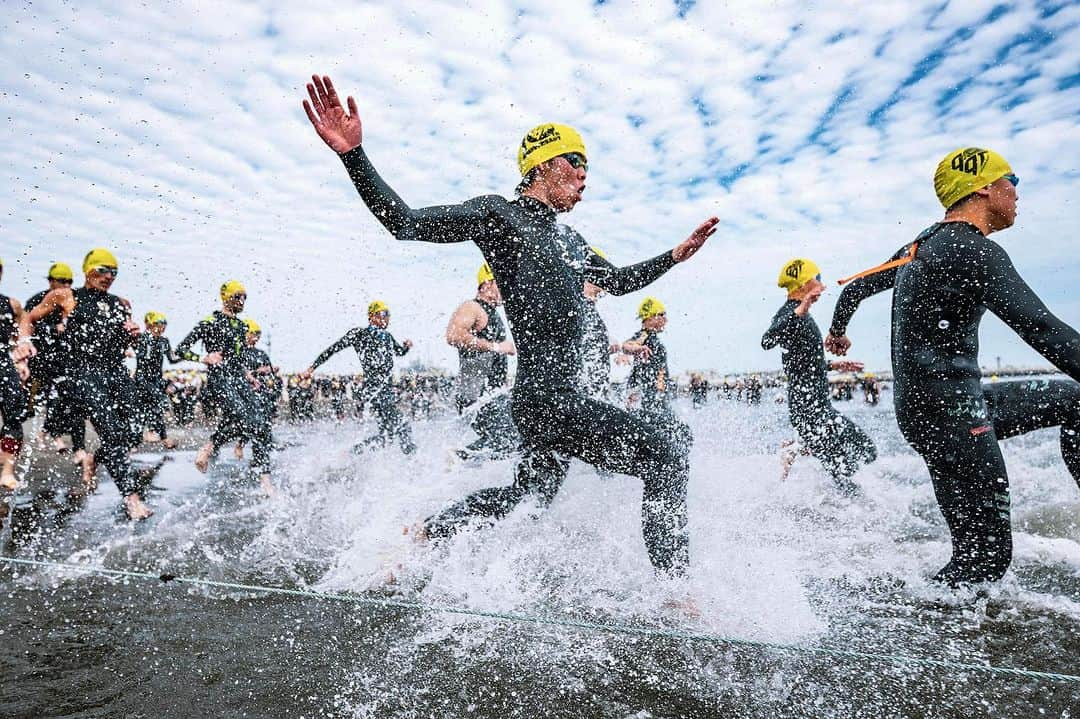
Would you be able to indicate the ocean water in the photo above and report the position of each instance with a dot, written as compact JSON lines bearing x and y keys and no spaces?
{"x":787,"y":561}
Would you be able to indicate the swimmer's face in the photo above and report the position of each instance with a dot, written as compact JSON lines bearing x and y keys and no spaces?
{"x":100,"y":278}
{"x":1002,"y":199}
{"x":235,"y":303}
{"x":157,"y":328}
{"x":563,"y":183}
{"x":656,"y":323}
{"x":379,"y":320}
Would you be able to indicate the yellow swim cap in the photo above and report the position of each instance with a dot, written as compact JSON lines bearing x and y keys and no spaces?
{"x":546,"y":141}
{"x":484,"y":274}
{"x":253,"y":327}
{"x":376,"y":307}
{"x":99,"y":257}
{"x":598,"y":252}
{"x":797,"y":273}
{"x":650,"y":307}
{"x":230,"y":288}
{"x":966,"y":170}
{"x":60,"y":271}
{"x":154,"y":318}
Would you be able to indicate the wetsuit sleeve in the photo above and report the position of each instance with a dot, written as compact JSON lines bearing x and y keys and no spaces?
{"x":399,"y":349}
{"x":334,"y":348}
{"x":183,"y":350}
{"x":173,"y":357}
{"x":1011,"y":299}
{"x":777,"y":332}
{"x":621,"y":280}
{"x":446,"y":223}
{"x":860,"y":289}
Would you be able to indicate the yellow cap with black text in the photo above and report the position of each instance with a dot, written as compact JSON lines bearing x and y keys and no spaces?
{"x":650,"y":307}
{"x":154,"y":318}
{"x":376,"y":307}
{"x":796,"y":273}
{"x":546,"y":141}
{"x":966,"y":170}
{"x":484,"y":274}
{"x":60,"y":271}
{"x":230,"y":288}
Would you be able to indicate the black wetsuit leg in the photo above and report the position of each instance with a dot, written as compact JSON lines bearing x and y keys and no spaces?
{"x":391,"y":424}
{"x":495,"y":426}
{"x":14,"y":406}
{"x":838,"y":443}
{"x":556,"y":425}
{"x":63,"y":412}
{"x":151,"y":400}
{"x":106,"y":396}
{"x":1020,"y":407}
{"x":955,"y":426}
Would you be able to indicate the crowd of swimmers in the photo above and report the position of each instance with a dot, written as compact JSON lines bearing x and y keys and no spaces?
{"x":70,"y":344}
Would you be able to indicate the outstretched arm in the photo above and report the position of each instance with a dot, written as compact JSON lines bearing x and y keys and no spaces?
{"x":853,"y":295}
{"x":342,"y":131}
{"x":334,"y":349}
{"x":778,"y":330}
{"x":622,"y":280}
{"x":1011,"y":299}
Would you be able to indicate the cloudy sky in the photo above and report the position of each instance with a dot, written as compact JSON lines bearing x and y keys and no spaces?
{"x":172,"y":133}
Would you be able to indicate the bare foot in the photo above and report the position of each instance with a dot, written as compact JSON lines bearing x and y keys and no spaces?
{"x":136,"y":508}
{"x":202,"y":459}
{"x":8,"y":481}
{"x":60,"y":445}
{"x":418,"y":532}
{"x":151,"y":436}
{"x":267,"y":486}
{"x":89,"y":472}
{"x":687,"y":606}
{"x":238,"y":451}
{"x":169,"y":443}
{"x":788,"y":451}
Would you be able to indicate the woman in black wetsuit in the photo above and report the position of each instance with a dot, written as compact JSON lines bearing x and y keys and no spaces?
{"x":942,"y":284}
{"x":540,"y":267}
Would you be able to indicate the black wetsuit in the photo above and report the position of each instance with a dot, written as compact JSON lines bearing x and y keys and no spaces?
{"x":14,"y":404}
{"x":481,"y":372}
{"x":376,"y":349}
{"x":540,"y":267}
{"x":257,"y":367}
{"x":48,"y":380}
{"x":150,"y":355}
{"x":94,"y":342}
{"x":943,"y":410}
{"x":828,"y":435}
{"x":651,"y":379}
{"x":241,"y":415}
{"x":595,"y":357}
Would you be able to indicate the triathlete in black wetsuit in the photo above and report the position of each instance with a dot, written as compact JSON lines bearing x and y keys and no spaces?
{"x":240,"y":416}
{"x":942,"y":284}
{"x":97,"y":331}
{"x":48,"y":382}
{"x":152,"y":348}
{"x":14,"y":404}
{"x":540,"y":267}
{"x":650,"y":378}
{"x":824,"y":433}
{"x":376,"y":349}
{"x":263,"y":377}
{"x":477,"y":331}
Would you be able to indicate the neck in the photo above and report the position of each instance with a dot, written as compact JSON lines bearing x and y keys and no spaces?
{"x":539,"y":193}
{"x":974,"y":216}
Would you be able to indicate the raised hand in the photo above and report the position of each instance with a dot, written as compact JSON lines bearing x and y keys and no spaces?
{"x":686,"y":249}
{"x":340,"y":130}
{"x":846,"y":365}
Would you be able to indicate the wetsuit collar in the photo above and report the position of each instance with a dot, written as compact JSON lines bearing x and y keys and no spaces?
{"x":970,"y":224}
{"x":535,"y":207}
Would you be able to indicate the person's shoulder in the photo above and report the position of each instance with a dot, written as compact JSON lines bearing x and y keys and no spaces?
{"x":488,"y":203}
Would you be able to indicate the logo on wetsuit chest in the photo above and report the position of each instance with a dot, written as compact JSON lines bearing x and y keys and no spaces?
{"x":970,"y":161}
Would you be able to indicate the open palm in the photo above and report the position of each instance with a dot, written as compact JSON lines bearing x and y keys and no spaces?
{"x":339,"y":129}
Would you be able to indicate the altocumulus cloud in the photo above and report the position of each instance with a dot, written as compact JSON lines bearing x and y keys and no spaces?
{"x":174,"y":135}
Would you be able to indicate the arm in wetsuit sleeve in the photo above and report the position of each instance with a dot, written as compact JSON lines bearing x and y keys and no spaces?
{"x":442,"y":224}
{"x":622,"y":280}
{"x":334,"y":348}
{"x":183,"y":350}
{"x":1011,"y":299}
{"x":399,"y":349}
{"x":778,"y":330}
{"x":170,"y":355}
{"x":860,"y":289}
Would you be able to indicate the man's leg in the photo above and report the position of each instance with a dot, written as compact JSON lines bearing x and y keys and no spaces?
{"x":1021,"y":407}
